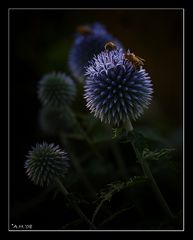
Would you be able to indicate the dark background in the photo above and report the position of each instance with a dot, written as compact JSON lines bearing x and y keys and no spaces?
{"x":40,"y":41}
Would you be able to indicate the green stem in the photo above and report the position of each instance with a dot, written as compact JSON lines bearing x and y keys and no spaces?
{"x":156,"y":189}
{"x":148,"y":174}
{"x":119,"y":160}
{"x":73,"y":204}
{"x":97,"y":210}
{"x":128,"y":126}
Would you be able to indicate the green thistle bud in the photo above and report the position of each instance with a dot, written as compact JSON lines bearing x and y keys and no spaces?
{"x":46,"y":162}
{"x":56,"y":89}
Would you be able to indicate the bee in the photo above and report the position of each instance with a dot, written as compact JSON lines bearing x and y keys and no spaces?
{"x":135,"y":60}
{"x":110,"y":46}
{"x":84,"y":30}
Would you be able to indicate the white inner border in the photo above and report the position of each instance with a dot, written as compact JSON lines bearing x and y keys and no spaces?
{"x":125,"y":9}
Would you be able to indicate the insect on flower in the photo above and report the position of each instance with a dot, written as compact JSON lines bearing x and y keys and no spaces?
{"x":84,"y":30}
{"x":135,"y":60}
{"x":110,"y":46}
{"x":89,"y":41}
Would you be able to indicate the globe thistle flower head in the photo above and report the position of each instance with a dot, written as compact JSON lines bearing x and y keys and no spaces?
{"x":56,"y":89}
{"x":89,"y":40}
{"x":46,"y":162}
{"x":115,"y":90}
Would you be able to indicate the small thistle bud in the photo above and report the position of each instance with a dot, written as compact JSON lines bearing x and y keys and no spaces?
{"x":56,"y":89}
{"x":89,"y":40}
{"x":46,"y":162}
{"x":115,"y":91}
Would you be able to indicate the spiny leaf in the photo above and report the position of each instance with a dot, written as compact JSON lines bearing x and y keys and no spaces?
{"x":157,"y":154}
{"x":77,"y":199}
{"x":117,"y":133}
{"x":131,"y":137}
{"x":113,"y":188}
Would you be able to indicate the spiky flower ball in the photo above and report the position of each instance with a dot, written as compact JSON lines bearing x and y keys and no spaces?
{"x":56,"y":89}
{"x":89,"y":40}
{"x":46,"y":162}
{"x":115,"y":90}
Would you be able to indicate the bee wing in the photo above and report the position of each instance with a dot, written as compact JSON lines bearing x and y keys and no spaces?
{"x":143,"y":60}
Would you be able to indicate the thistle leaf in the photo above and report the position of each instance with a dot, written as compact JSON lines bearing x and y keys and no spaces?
{"x":117,"y":133}
{"x":157,"y":154}
{"x":133,"y":137}
{"x":107,"y":193}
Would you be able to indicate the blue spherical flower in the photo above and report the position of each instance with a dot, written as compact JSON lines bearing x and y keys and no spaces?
{"x":46,"y":162}
{"x":115,"y":91}
{"x":56,"y":89}
{"x":89,"y":40}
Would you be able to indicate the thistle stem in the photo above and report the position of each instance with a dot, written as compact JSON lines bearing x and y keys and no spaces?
{"x":119,"y":160}
{"x":147,"y":172}
{"x":128,"y":126}
{"x":73,"y":204}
